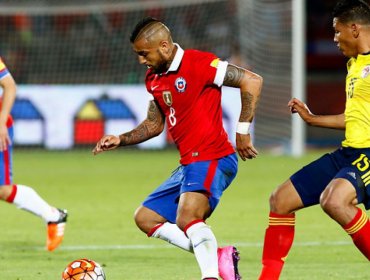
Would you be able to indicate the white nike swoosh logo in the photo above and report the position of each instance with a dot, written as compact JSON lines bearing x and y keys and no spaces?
{"x":190,"y":184}
{"x":153,"y":88}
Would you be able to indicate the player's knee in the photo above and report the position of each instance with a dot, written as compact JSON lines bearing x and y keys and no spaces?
{"x":180,"y":224}
{"x":141,"y":219}
{"x":5,"y":191}
{"x":330,"y":203}
{"x":146,"y":219}
{"x":285,"y":199}
{"x":186,"y":214}
{"x":184,"y":218}
{"x":277,"y":203}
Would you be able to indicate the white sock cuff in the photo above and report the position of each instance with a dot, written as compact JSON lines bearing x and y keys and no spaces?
{"x":195,"y":226}
{"x":154,"y":231}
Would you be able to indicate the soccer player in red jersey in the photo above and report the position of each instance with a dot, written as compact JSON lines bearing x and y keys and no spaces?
{"x":340,"y":180}
{"x":22,"y":196}
{"x":186,"y":90}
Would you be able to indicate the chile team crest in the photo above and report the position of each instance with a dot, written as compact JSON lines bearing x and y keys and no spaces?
{"x":180,"y":84}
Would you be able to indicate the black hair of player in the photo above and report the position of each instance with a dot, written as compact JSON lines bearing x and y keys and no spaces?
{"x":352,"y":10}
{"x":139,"y":26}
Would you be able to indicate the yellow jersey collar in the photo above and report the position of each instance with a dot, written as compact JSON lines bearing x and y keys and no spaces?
{"x":363,"y":58}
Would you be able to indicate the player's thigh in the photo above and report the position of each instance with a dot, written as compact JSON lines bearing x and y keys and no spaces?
{"x":211,"y":178}
{"x":358,"y":174}
{"x":164,"y":199}
{"x":338,"y":200}
{"x":285,"y":199}
{"x":338,"y":193}
{"x":192,"y":206}
{"x":311,"y":180}
{"x":351,"y":183}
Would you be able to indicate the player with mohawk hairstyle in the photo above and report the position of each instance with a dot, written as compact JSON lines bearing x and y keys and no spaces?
{"x":340,"y":180}
{"x":185,"y":86}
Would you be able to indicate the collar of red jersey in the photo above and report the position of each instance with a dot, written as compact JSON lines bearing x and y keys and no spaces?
{"x":177,"y":59}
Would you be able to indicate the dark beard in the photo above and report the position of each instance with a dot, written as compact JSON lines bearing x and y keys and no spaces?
{"x":161,"y":68}
{"x":163,"y":65}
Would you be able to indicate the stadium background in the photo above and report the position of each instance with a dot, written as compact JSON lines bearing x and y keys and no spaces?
{"x":79,"y":43}
{"x":74,"y":66}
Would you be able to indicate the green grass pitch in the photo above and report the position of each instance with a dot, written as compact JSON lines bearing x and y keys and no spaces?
{"x":101,"y":193}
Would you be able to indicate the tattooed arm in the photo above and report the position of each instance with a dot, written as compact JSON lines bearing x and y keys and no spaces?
{"x":250,"y":85}
{"x":152,"y":126}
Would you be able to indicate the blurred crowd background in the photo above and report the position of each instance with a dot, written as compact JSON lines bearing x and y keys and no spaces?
{"x":86,"y":42}
{"x":72,"y":47}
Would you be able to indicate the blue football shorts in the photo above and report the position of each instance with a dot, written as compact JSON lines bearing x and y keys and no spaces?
{"x":6,"y":162}
{"x":210,"y":177}
{"x":347,"y":163}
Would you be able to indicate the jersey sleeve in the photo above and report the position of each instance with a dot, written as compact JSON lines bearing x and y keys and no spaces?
{"x":212,"y":69}
{"x":3,"y":69}
{"x":220,"y":73}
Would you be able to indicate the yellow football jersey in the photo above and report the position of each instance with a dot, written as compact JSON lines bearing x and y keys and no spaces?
{"x":357,"y":111}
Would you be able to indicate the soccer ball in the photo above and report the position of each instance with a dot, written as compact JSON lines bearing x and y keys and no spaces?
{"x":83,"y":269}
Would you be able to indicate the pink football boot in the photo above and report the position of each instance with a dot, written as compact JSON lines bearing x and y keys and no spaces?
{"x":228,"y":258}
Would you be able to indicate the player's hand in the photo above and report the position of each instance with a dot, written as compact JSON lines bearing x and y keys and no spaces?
{"x":4,"y":138}
{"x":297,"y":106}
{"x":244,"y":146}
{"x":106,"y":143}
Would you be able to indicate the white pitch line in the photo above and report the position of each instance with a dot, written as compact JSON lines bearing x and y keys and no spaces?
{"x":165,"y":246}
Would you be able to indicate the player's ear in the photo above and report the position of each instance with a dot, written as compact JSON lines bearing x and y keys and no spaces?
{"x":165,"y":47}
{"x":355,"y":30}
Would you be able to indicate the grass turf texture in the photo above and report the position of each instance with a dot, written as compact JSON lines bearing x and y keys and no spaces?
{"x":102,"y":192}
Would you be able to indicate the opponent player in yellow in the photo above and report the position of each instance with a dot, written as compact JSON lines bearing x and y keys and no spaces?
{"x":340,"y":180}
{"x":24,"y":197}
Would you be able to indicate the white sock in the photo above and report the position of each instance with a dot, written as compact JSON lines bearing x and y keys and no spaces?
{"x":205,"y":249}
{"x":27,"y":199}
{"x":174,"y":235}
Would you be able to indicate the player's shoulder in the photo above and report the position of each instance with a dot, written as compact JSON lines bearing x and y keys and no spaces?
{"x":149,"y":77}
{"x":198,"y":53}
{"x":199,"y":56}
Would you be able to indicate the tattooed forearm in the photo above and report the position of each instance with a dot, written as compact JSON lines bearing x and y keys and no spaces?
{"x":247,"y":111}
{"x":234,"y":76}
{"x":135,"y":136}
{"x":152,"y":126}
{"x":250,"y":88}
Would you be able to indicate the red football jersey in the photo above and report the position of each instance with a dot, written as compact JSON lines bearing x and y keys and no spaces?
{"x":189,"y":94}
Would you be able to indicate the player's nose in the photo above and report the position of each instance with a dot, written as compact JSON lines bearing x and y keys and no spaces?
{"x":142,"y":60}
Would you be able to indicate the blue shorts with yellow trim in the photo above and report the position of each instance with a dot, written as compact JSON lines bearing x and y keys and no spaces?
{"x":210,"y":177}
{"x":348,"y":163}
